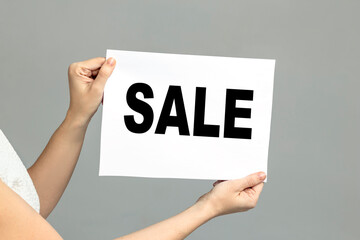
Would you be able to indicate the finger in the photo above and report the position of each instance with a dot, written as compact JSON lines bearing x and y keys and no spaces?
{"x":258,"y":188}
{"x":94,"y":73}
{"x":217,"y":182}
{"x":104,"y":73}
{"x":93,"y":63}
{"x":249,"y":181}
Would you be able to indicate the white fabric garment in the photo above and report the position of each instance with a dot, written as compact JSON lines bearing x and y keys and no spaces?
{"x":14,"y":174}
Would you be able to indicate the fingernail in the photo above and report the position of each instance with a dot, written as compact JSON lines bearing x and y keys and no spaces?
{"x":261,"y":175}
{"x":111,"y":61}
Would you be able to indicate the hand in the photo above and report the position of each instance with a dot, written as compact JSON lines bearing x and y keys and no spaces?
{"x":234,"y":195}
{"x":86,"y":82}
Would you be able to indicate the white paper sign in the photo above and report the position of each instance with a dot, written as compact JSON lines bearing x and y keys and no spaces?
{"x":186,"y":116}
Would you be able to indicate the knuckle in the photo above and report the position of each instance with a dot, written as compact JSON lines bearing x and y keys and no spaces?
{"x":104,"y":73}
{"x":101,"y":74}
{"x":107,"y":70}
{"x":252,"y":204}
{"x":248,"y":182}
{"x":72,"y":67}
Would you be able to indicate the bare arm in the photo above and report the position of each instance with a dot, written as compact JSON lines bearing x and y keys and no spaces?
{"x":176,"y":227}
{"x":19,"y":221}
{"x":54,"y":167}
{"x":52,"y":171}
{"x":225,"y":198}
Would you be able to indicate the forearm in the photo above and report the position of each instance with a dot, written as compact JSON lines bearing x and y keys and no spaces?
{"x":54,"y":167}
{"x":177,"y":227}
{"x":226,"y":197}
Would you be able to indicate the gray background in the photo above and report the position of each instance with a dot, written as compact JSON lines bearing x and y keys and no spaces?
{"x":313,"y":190}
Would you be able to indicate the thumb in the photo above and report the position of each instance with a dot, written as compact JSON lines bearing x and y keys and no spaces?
{"x":250,"y":180}
{"x":104,"y":73}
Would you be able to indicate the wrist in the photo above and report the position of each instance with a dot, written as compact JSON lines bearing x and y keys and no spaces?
{"x":206,"y":209}
{"x":76,"y":120}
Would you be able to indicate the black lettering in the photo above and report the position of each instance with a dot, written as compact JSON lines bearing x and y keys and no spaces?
{"x":139,"y":106}
{"x":231,"y":112}
{"x":200,"y":128}
{"x":173,"y":96}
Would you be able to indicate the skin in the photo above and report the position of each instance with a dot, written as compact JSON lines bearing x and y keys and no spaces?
{"x":53,"y":169}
